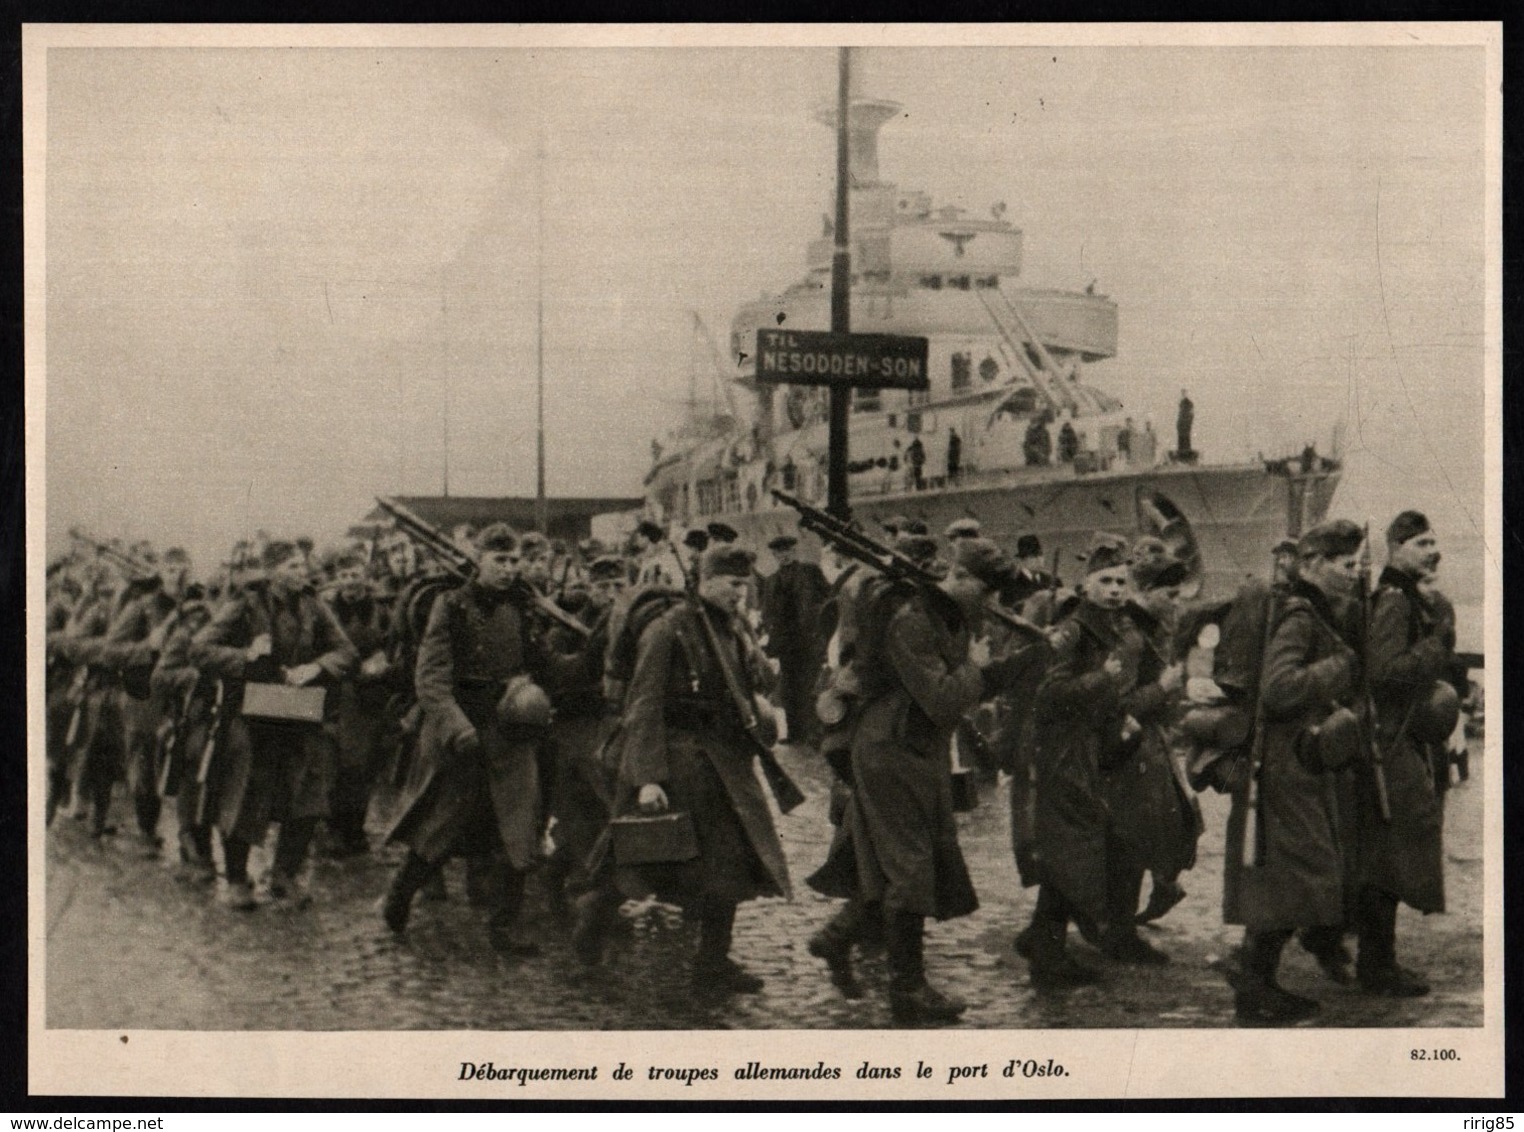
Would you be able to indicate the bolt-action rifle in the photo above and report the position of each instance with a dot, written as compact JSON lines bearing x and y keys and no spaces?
{"x":858,"y":546}
{"x":463,"y":566}
{"x":134,"y":570}
{"x":1367,"y":704}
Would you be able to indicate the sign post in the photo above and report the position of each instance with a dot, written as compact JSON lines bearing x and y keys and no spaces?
{"x":841,"y":302}
{"x":841,"y":361}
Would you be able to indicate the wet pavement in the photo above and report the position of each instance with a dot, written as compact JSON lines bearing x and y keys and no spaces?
{"x":131,"y":946}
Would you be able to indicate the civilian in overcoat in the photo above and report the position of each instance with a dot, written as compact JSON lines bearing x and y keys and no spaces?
{"x":792,"y":598}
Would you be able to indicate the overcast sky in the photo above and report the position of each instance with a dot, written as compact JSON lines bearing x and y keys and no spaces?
{"x":265,"y":267}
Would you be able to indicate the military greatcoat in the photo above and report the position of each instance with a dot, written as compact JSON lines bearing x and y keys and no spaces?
{"x":1083,"y":788}
{"x":682,"y":732}
{"x":1292,"y":875}
{"x":468,"y":802}
{"x":1410,"y":648}
{"x":265,"y":770}
{"x":900,"y":817}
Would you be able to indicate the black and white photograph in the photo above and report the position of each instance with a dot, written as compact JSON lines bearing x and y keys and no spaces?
{"x":774,"y":559}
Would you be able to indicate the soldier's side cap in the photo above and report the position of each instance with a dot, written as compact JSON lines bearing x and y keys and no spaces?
{"x":606,"y":569}
{"x":727,"y":561}
{"x":1285,"y":546}
{"x":534,"y":545}
{"x":914,"y":527}
{"x":176,"y":554}
{"x":722,"y":532}
{"x":1409,"y":524}
{"x":277,"y":552}
{"x":918,"y":548}
{"x":1333,"y":539}
{"x":499,"y":538}
{"x":894,"y":524}
{"x":782,"y":542}
{"x":1106,"y":552}
{"x":963,"y":528}
{"x":650,"y":531}
{"x":983,"y":560}
{"x":1028,"y":546}
{"x":696,"y":539}
{"x":345,"y":560}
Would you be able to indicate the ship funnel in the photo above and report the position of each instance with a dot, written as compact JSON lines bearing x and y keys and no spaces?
{"x":865,"y":118}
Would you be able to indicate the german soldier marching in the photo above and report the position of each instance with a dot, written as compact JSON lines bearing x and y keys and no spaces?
{"x":685,"y":751}
{"x":1285,"y":867}
{"x":475,"y":789}
{"x":271,"y":770}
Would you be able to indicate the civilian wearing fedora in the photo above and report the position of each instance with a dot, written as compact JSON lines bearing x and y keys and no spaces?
{"x":657,"y":563}
{"x":475,"y":789}
{"x":1029,"y":578}
{"x":791,"y":600}
{"x":1410,"y":649}
{"x":276,"y":630}
{"x":1293,"y":876}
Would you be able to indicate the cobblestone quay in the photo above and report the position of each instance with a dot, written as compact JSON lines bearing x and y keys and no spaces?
{"x":130,"y":947}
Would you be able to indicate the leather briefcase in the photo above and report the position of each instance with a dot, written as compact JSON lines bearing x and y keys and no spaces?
{"x":284,"y":703}
{"x":658,"y":839}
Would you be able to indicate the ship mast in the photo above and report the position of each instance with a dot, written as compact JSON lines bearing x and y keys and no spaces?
{"x":541,"y":508}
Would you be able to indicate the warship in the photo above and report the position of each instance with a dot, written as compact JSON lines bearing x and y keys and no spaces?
{"x":1040,"y":449}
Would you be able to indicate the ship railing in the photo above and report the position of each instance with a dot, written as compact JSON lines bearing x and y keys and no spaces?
{"x":1002,"y":313}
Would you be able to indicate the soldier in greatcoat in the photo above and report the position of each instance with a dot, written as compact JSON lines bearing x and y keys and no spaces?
{"x":1076,"y":730}
{"x":87,"y":740}
{"x":475,"y":789}
{"x":1155,"y":819}
{"x":1290,"y":873}
{"x":582,"y":791}
{"x":791,"y":601}
{"x":899,"y":823}
{"x":185,"y":701}
{"x":131,"y":649}
{"x":361,"y":716}
{"x":1410,"y":648}
{"x":279,"y":631}
{"x":685,"y":750}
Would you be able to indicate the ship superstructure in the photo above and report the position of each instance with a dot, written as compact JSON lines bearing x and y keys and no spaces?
{"x":1036,"y":448}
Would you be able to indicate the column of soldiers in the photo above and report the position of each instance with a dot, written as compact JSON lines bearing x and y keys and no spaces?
{"x":613,"y":743}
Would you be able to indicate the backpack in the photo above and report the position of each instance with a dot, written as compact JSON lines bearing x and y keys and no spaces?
{"x":863,"y":674}
{"x":626,"y":626}
{"x":1223,"y":734}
